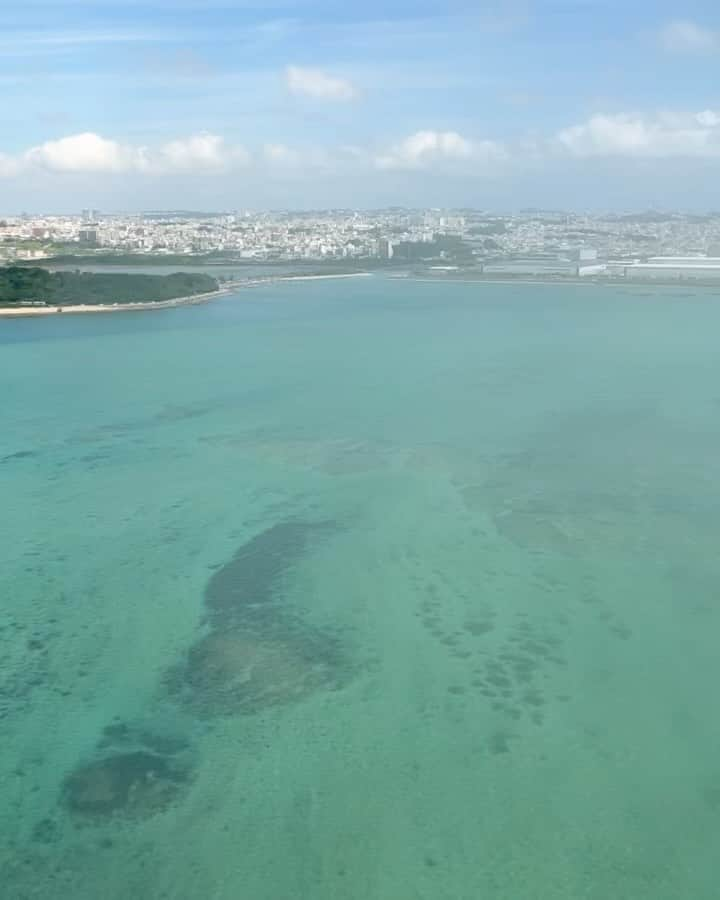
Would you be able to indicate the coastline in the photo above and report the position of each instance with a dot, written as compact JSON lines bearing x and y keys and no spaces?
{"x":235,"y":286}
{"x":191,"y":300}
{"x":317,"y":277}
{"x":536,"y":281}
{"x":77,"y":308}
{"x":560,"y":282}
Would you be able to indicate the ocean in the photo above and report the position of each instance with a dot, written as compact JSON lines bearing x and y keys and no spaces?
{"x":364,"y":589}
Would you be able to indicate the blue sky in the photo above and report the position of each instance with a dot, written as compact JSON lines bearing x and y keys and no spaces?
{"x":242,"y":103}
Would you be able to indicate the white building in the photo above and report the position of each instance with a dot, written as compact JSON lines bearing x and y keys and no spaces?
{"x":676,"y":267}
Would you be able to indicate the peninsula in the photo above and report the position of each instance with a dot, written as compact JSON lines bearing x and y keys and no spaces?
{"x":29,"y":290}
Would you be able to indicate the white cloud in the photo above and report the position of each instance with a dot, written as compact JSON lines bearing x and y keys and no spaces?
{"x":86,"y":152}
{"x":206,"y":153}
{"x":688,"y":37}
{"x":656,"y":137}
{"x":318,"y":84}
{"x":427,"y":148}
{"x":659,"y":136}
{"x":708,"y":118}
{"x":211,"y":154}
{"x":89,"y":153}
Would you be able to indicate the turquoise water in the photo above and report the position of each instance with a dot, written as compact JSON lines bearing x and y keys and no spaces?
{"x":363,"y":589}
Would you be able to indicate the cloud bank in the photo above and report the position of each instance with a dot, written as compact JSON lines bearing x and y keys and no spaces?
{"x":89,"y":153}
{"x":425,"y":149}
{"x":614,"y":136}
{"x":662,"y":136}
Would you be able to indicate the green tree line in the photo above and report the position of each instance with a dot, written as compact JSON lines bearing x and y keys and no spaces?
{"x":20,"y":284}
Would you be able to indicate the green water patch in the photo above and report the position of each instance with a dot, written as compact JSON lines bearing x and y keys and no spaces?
{"x":26,"y":651}
{"x":333,"y":457}
{"x":533,"y":532}
{"x":167,"y":415}
{"x":180,"y":412}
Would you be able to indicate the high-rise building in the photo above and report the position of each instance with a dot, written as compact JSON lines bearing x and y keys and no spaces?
{"x":89,"y":236}
{"x":385,"y":249}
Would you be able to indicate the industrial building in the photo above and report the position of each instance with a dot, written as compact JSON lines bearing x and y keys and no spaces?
{"x":674,"y":267}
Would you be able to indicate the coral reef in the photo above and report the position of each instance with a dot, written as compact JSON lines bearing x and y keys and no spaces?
{"x":135,"y":784}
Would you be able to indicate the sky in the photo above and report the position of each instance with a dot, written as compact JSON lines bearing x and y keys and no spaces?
{"x":591,"y":105}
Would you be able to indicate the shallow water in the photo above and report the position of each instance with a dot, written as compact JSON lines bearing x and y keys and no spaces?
{"x":363,"y":589}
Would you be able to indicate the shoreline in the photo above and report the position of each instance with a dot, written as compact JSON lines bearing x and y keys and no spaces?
{"x":317,"y":277}
{"x":149,"y":305}
{"x":440,"y":280}
{"x":557,"y":282}
{"x":229,"y":288}
{"x":76,"y":308}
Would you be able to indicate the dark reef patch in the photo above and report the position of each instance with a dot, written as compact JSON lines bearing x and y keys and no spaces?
{"x":19,"y":454}
{"x":477,"y":629}
{"x":121,"y":735}
{"x":499,"y":743}
{"x":239,"y":671}
{"x":242,"y":588}
{"x":135,"y":784}
{"x":46,"y":831}
{"x":255,"y":652}
{"x":176,"y":412}
{"x":134,"y":773}
{"x":258,"y":652}
{"x":534,"y":532}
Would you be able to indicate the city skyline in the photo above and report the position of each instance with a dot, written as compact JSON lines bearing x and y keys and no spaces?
{"x":176,"y":103}
{"x":465,"y":239}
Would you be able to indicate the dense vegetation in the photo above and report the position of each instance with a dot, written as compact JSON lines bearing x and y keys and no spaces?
{"x":443,"y":246}
{"x":19,"y":284}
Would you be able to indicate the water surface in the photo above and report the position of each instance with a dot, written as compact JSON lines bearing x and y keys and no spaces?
{"x":363,"y":589}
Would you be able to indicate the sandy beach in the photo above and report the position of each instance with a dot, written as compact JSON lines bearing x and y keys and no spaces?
{"x":21,"y":311}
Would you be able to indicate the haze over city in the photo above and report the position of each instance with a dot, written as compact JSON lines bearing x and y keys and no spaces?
{"x":219,"y":105}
